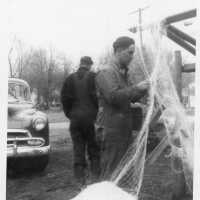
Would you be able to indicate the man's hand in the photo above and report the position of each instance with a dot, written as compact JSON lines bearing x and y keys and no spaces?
{"x":144,"y":85}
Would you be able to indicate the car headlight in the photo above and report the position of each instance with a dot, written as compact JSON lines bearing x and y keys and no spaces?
{"x":39,"y":124}
{"x":36,"y":142}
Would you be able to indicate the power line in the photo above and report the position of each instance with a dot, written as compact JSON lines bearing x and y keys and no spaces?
{"x":135,"y":11}
{"x":139,"y":11}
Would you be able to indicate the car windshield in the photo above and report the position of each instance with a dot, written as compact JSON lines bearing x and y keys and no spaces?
{"x":18,"y":91}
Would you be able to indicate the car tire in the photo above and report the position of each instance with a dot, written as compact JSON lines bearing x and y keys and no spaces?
{"x":28,"y":164}
{"x":39,"y":164}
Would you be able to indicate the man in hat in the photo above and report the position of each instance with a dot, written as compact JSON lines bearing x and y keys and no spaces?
{"x":80,"y":105}
{"x":116,"y":95}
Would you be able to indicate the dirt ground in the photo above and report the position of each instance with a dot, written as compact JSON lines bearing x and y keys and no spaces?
{"x":55,"y":116}
{"x":57,"y":183}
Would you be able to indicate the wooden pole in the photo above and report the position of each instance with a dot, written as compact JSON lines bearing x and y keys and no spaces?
{"x":179,"y":189}
{"x":140,"y":26}
{"x":177,"y":73}
{"x":187,"y":68}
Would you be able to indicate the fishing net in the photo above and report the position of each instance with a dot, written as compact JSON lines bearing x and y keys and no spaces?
{"x":140,"y":175}
{"x":104,"y":190}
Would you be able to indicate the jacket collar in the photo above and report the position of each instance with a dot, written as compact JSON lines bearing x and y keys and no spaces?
{"x":122,"y":71}
{"x":83,"y":69}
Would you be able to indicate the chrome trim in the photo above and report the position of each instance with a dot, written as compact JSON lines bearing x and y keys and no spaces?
{"x":16,"y":130}
{"x":19,"y":131}
{"x":15,"y":140}
{"x":27,"y":151}
{"x":13,"y":130}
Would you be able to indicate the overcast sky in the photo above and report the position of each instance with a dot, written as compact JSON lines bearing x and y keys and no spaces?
{"x":83,"y":27}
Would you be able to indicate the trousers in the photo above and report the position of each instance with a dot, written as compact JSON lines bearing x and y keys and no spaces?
{"x":85,"y":147}
{"x":115,"y":145}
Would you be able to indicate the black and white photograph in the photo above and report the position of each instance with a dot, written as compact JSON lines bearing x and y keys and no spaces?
{"x":101,"y":100}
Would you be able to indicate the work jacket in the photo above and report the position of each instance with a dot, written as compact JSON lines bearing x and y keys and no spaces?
{"x":78,"y":95}
{"x":115,"y":96}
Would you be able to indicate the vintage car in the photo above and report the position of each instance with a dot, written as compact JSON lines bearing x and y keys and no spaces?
{"x":28,"y":144}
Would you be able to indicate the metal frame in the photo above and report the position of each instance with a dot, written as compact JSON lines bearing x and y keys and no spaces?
{"x":180,"y":41}
{"x":183,"y":35}
{"x":178,"y":36}
{"x":181,"y":16}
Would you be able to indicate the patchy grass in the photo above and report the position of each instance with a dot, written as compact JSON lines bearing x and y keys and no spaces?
{"x":56,"y":116}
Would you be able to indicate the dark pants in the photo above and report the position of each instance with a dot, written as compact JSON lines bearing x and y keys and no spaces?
{"x":180,"y":188}
{"x":83,"y":138}
{"x":115,"y":146}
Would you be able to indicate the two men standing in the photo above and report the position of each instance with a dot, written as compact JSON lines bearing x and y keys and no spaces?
{"x":115,"y":95}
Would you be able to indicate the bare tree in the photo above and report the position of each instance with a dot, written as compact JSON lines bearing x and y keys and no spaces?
{"x":104,"y":59}
{"x":45,"y":71}
{"x":10,"y":62}
{"x":16,"y":57}
{"x":65,"y":63}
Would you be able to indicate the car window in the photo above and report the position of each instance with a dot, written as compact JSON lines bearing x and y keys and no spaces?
{"x":18,"y":91}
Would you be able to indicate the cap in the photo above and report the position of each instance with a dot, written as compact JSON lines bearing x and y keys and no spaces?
{"x":86,"y":60}
{"x":123,"y":42}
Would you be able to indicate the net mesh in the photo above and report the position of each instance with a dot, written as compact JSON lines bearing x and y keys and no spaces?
{"x":142,"y":175}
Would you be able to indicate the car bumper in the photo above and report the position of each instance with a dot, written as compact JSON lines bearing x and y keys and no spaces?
{"x":13,"y":152}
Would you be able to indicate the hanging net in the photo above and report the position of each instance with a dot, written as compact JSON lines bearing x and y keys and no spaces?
{"x":140,"y":176}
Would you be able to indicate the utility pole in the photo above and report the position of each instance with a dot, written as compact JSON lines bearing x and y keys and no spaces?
{"x":140,"y":26}
{"x":139,"y":11}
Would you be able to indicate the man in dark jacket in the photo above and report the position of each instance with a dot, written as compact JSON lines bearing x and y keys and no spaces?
{"x":80,"y":105}
{"x":116,"y":94}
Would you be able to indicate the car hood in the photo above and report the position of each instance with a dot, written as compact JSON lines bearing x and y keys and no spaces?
{"x":20,"y":114}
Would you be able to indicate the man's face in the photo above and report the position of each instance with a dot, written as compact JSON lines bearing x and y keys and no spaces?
{"x":125,"y":56}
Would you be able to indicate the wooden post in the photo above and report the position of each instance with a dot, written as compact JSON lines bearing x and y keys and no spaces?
{"x":187,"y":68}
{"x":177,"y":73}
{"x":179,"y":188}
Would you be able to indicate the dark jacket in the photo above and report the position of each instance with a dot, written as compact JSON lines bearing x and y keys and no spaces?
{"x":116,"y":95}
{"x":78,"y":95}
